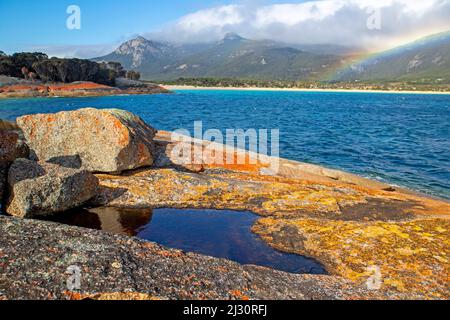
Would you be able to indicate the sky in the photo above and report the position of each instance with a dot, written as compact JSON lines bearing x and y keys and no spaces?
{"x":40,"y":25}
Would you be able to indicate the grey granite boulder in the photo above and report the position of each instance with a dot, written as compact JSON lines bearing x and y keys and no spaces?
{"x":11,"y":148}
{"x":7,"y":125}
{"x":43,"y":189}
{"x":3,"y":175}
{"x":109,"y":141}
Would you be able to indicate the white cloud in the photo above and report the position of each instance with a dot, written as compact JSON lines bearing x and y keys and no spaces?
{"x":216,"y":17}
{"x":341,"y":22}
{"x":73,"y":51}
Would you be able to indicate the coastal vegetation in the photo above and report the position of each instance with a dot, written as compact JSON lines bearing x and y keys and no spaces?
{"x":285,"y":84}
{"x":38,"y":66}
{"x":28,"y":74}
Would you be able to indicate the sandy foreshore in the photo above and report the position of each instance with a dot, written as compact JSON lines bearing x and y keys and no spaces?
{"x":180,"y":87}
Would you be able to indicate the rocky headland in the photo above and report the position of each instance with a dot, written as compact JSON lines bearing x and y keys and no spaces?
{"x":356,"y":228}
{"x":26,"y":89}
{"x":27,"y":75}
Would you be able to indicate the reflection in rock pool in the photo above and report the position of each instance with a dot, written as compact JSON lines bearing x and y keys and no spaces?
{"x":223,"y":234}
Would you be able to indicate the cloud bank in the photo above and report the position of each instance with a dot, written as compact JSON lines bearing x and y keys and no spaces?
{"x":344,"y":22}
{"x":73,"y":51}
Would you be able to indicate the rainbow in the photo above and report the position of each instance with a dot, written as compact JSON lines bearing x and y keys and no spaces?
{"x":356,"y":60}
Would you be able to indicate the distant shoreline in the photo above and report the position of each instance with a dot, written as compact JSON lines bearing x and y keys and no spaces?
{"x":183,"y":87}
{"x":27,"y":89}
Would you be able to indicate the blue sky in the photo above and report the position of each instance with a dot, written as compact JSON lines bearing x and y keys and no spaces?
{"x":40,"y":25}
{"x":43,"y":22}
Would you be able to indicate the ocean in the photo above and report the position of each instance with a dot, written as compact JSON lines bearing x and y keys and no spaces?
{"x":402,"y":139}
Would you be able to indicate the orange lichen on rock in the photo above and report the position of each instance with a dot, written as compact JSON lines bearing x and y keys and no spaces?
{"x":107,"y":140}
{"x":237,"y":294}
{"x":113,"y":296}
{"x":210,"y":155}
{"x":76,"y":89}
{"x":347,"y":227}
{"x":236,"y":161}
{"x":413,"y":257}
{"x":78,"y":86}
{"x":169,"y":187}
{"x":62,"y":89}
{"x":21,"y":87}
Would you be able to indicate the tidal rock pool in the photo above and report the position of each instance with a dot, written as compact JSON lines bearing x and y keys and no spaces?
{"x":218,"y":233}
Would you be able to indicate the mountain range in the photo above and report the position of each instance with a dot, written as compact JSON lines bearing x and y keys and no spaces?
{"x":426,"y":60}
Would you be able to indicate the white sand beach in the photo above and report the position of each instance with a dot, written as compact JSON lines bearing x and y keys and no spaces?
{"x":181,"y":87}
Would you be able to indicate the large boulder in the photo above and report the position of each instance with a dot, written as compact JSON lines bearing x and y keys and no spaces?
{"x":3,"y":175}
{"x":7,"y":125}
{"x":43,"y":189}
{"x":11,"y":148}
{"x":109,"y":141}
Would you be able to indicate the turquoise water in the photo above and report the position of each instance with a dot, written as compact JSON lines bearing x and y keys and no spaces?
{"x":403,"y":139}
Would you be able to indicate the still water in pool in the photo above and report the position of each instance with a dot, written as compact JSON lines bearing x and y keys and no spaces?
{"x":222,"y":234}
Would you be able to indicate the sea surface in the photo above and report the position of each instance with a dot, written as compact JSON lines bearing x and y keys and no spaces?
{"x":402,"y":139}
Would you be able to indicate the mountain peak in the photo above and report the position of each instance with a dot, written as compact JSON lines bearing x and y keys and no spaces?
{"x":139,"y":43}
{"x":132,"y":44}
{"x":139,"y":48}
{"x":140,"y":39}
{"x":231,"y":36}
{"x":234,"y":56}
